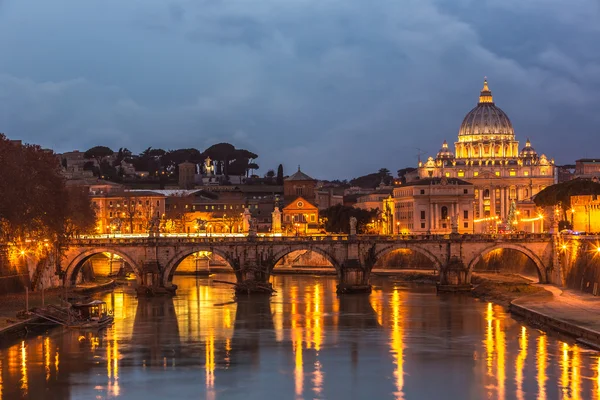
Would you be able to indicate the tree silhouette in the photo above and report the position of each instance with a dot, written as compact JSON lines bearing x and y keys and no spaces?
{"x":279,"y":180}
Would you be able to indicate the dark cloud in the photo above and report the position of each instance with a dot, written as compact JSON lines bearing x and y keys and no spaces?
{"x":341,"y":87}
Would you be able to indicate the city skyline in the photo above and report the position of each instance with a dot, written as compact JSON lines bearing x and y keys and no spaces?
{"x":369,"y":84}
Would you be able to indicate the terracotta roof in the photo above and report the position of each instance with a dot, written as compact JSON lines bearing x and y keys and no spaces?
{"x":299,"y":176}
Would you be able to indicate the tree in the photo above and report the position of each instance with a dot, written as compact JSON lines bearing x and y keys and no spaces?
{"x":560,"y":194}
{"x":35,"y":203}
{"x":512,"y":216}
{"x":280,"y":175}
{"x":99,"y":154}
{"x":337,"y":218}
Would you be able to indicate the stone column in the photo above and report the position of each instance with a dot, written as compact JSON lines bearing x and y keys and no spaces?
{"x":430,"y":217}
{"x":480,"y":204}
{"x":502,"y":202}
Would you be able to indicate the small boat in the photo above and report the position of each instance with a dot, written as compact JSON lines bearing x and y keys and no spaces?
{"x":94,"y":314}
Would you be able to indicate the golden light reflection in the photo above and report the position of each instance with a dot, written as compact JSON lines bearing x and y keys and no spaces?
{"x":24,"y":380}
{"x":576,"y":374}
{"x":489,"y":338}
{"x":318,"y":378}
{"x":520,"y":363}
{"x":112,"y":366}
{"x":317,"y":317}
{"x":598,"y":379}
{"x":501,"y":360}
{"x":398,"y":344}
{"x":299,"y":369}
{"x":278,"y":321}
{"x":564,"y":369}
{"x":227,"y":319}
{"x":47,"y":357}
{"x":210,"y":365}
{"x":541,"y":356}
{"x":227,"y":352}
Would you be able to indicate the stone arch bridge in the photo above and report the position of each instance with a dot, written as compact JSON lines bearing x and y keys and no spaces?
{"x":253,"y":258}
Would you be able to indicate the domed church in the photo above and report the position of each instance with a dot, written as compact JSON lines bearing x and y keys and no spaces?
{"x":487,"y":155}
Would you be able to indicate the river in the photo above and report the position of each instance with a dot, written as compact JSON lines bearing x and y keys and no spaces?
{"x":402,"y":342}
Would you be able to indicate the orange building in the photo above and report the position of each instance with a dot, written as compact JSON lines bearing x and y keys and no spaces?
{"x":300,"y":214}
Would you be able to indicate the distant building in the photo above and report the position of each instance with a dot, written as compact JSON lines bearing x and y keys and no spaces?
{"x":123,"y":211}
{"x":432,"y":205}
{"x":328,"y":198}
{"x":585,"y":213}
{"x":587,"y":168}
{"x":187,"y":172}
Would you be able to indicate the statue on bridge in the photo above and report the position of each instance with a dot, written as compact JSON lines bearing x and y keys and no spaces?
{"x":352,"y":226}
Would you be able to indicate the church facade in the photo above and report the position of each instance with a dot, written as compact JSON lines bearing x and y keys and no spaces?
{"x":488,"y":156}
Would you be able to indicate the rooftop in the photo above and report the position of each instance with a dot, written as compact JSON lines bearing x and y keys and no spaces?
{"x":299,"y":176}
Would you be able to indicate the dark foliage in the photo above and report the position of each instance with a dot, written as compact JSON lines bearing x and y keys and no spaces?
{"x":337,"y":218}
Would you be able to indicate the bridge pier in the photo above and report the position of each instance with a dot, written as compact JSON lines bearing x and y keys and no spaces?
{"x":454,"y":277}
{"x":253,"y":279}
{"x":152,"y":282}
{"x":353,"y":278}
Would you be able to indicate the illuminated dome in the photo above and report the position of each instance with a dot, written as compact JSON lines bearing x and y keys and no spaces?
{"x":528,"y":151}
{"x":486,"y":120}
{"x":445,"y":153}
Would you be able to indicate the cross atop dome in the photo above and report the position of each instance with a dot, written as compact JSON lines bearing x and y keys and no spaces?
{"x":485,"y":96}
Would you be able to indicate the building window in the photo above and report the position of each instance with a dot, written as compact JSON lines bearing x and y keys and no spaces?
{"x":525,"y":173}
{"x":466,"y":225}
{"x":486,"y":194}
{"x":461,"y":174}
{"x":422,"y":191}
{"x":497,"y":173}
{"x":422,"y":214}
{"x":512,"y":173}
{"x":110,"y":203}
{"x":444,"y":212}
{"x":466,"y":191}
{"x":476,"y":173}
{"x":513,"y":193}
{"x":299,"y":191}
{"x":543,"y":172}
{"x":447,"y":174}
{"x":466,"y":214}
{"x":110,"y":214}
{"x":422,"y":225}
{"x":312,"y":217}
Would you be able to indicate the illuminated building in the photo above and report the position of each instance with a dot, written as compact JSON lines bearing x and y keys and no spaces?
{"x":432,"y":205}
{"x":300,"y":214}
{"x":487,"y":155}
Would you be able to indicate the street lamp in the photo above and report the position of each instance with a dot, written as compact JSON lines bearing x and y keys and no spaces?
{"x":397,"y":228}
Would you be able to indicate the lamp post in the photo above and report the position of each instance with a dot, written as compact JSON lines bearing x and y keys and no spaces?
{"x":397,"y":228}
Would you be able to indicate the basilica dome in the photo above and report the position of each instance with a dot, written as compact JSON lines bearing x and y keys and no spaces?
{"x":486,"y":120}
{"x":445,"y":153}
{"x":528,"y":151}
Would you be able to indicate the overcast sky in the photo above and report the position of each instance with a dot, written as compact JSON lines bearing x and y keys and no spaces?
{"x":342,"y":87}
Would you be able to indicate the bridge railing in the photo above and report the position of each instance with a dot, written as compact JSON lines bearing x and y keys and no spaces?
{"x":192,"y":239}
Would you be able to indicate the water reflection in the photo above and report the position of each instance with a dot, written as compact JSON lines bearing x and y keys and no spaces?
{"x":306,"y":342}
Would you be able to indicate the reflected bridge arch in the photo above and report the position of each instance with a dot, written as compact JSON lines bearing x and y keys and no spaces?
{"x":540,"y":267}
{"x":77,"y":263}
{"x":174,"y":262}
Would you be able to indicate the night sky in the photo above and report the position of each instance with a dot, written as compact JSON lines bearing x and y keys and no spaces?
{"x":342,"y":87}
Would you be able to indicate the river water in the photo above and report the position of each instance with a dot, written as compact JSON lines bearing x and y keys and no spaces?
{"x":402,"y":342}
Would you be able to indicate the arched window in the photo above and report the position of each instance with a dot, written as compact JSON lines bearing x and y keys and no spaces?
{"x":486,"y":194}
{"x":444,"y":212}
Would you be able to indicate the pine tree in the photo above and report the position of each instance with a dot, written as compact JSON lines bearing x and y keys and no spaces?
{"x":512,"y":216}
{"x":280,"y":175}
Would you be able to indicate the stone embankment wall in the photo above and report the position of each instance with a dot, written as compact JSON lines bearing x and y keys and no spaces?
{"x":14,"y":276}
{"x":581,"y":267}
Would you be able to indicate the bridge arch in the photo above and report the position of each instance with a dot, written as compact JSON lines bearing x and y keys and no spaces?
{"x":174,"y":262}
{"x":288,"y":250}
{"x":541,"y":268}
{"x":77,"y":263}
{"x":416,"y":248}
